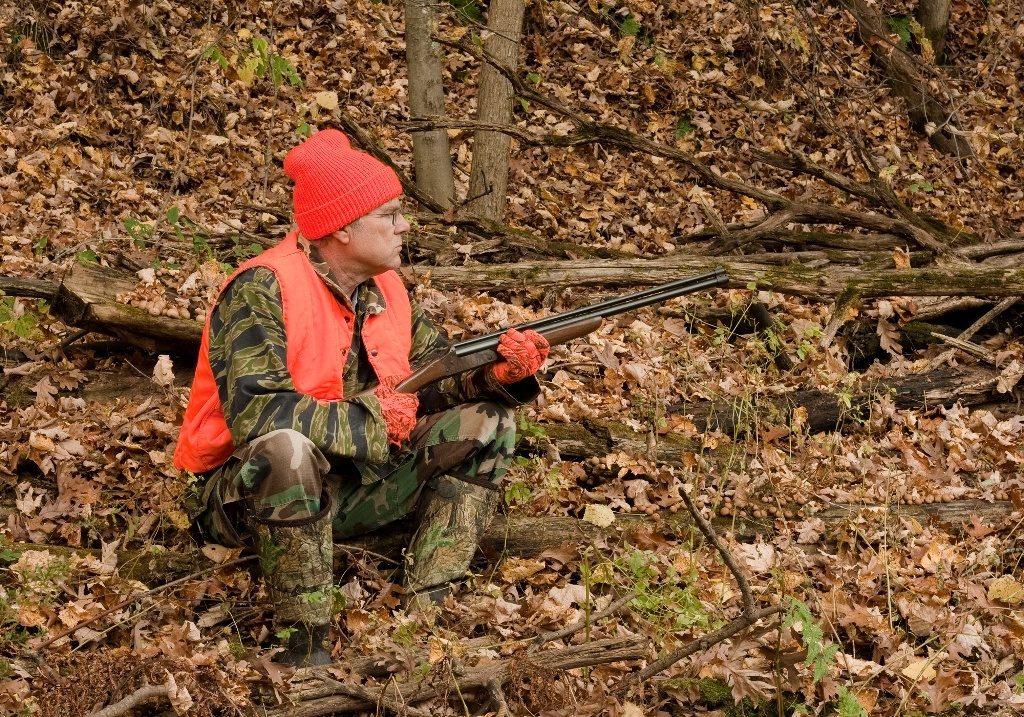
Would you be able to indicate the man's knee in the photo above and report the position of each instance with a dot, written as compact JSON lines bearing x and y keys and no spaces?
{"x":282,"y":472}
{"x":285,"y":448}
{"x":488,"y":422}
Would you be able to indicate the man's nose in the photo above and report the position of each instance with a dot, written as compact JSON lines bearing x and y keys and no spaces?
{"x":402,"y":224}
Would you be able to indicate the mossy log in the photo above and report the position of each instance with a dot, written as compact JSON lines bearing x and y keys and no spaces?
{"x":828,"y":411}
{"x":522,"y":536}
{"x":86,"y":299}
{"x":823,"y":284}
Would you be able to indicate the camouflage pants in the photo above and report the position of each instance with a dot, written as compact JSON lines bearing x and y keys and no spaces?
{"x":282,"y":479}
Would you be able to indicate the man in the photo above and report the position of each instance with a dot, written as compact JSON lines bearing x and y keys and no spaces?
{"x":294,"y":446}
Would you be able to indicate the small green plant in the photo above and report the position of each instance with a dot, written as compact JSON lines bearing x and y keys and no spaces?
{"x":900,"y":25}
{"x":404,"y":634}
{"x":529,"y":429}
{"x":849,"y":705}
{"x":630,"y":27}
{"x":684,"y":127}
{"x":188,"y":230}
{"x":16,"y":321}
{"x":663,"y":595}
{"x":285,"y":633}
{"x":517,"y":493}
{"x":7,"y":552}
{"x":468,"y":9}
{"x":40,"y":244}
{"x":140,"y":232}
{"x":820,"y":652}
{"x":254,"y":60}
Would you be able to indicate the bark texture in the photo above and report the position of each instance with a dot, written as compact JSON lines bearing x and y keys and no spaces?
{"x":488,"y":183}
{"x":934,"y":18}
{"x":431,"y":152}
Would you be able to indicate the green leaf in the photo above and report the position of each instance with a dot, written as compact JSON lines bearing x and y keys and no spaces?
{"x":517,"y":492}
{"x":40,"y":244}
{"x":88,"y":255}
{"x":900,"y":24}
{"x":849,"y":705}
{"x":629,"y":27}
{"x":468,"y":9}
{"x":172,"y":215}
{"x":684,"y":127}
{"x":534,"y":78}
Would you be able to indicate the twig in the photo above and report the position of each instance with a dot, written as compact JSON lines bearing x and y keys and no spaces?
{"x":72,"y":338}
{"x":701,"y":644}
{"x":967,"y":347}
{"x":546,"y":637}
{"x":727,"y":558}
{"x":375,"y":697}
{"x":126,"y":705}
{"x":140,"y":596}
{"x":991,"y":314}
{"x":749,"y":616}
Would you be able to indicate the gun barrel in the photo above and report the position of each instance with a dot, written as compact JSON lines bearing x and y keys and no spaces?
{"x":609,"y":307}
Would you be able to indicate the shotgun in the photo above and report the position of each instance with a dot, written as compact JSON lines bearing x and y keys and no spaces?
{"x":557,"y":329}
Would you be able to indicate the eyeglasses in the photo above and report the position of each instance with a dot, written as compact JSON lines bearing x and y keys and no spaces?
{"x":395,"y":214}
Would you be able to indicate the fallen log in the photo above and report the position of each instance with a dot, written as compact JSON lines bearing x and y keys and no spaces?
{"x":86,"y":300}
{"x":27,"y":288}
{"x":795,"y":279}
{"x":334,"y":696}
{"x":521,"y":536}
{"x":828,"y":411}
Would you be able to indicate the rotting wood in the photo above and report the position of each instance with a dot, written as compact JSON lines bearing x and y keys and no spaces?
{"x":598,"y":652}
{"x":87,"y":297}
{"x":28,"y":288}
{"x":517,"y":536}
{"x":828,"y":411}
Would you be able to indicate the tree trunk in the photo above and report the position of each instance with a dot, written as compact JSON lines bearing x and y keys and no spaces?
{"x":934,"y":18}
{"x":927,"y":115}
{"x":431,"y":154}
{"x":488,"y":183}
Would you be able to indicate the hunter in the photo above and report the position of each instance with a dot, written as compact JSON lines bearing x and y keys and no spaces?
{"x":293,"y":423}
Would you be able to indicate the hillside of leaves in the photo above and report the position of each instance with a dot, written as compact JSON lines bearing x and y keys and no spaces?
{"x":149,"y":137}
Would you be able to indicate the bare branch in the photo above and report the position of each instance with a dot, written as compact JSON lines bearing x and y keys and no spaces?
{"x":129,"y":703}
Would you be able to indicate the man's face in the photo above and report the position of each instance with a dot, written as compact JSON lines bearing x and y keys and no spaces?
{"x":371,"y":244}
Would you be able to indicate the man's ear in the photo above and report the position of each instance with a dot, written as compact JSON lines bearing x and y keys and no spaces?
{"x":343,"y":235}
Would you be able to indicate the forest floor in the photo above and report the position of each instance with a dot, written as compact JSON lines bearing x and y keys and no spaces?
{"x":149,"y":137}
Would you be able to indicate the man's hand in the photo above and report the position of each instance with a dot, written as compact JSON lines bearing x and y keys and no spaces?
{"x":523,"y":352}
{"x":398,"y":409}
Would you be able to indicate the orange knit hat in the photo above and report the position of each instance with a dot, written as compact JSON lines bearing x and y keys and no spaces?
{"x":335,"y":184}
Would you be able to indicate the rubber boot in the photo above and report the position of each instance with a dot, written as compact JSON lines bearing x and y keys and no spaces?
{"x":297,"y":562}
{"x":453,"y":517}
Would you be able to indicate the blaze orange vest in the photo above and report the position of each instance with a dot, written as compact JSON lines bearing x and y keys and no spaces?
{"x":318,"y":331}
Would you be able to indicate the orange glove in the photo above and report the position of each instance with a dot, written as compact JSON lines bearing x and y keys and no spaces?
{"x":398,"y":409}
{"x":523,"y":352}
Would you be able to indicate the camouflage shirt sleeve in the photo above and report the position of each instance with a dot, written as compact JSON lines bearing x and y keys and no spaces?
{"x":428,"y":342}
{"x":248,"y":357}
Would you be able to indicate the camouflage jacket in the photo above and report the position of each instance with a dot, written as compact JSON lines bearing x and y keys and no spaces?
{"x":248,"y":358}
